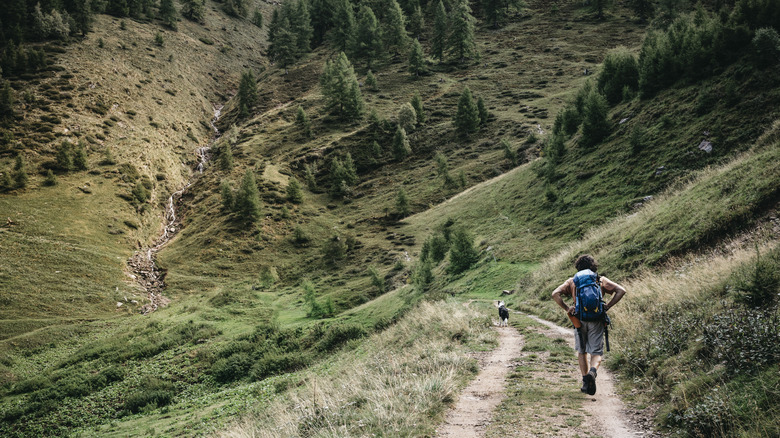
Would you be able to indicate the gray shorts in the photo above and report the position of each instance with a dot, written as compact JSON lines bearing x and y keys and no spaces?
{"x":593,"y":332}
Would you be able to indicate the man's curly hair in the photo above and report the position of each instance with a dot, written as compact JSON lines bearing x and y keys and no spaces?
{"x":586,"y":261}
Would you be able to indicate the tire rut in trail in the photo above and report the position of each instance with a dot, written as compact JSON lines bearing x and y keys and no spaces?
{"x":475,"y":406}
{"x":607,"y":411}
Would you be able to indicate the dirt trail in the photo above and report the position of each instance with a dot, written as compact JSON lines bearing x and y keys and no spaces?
{"x":475,"y":406}
{"x":607,"y":411}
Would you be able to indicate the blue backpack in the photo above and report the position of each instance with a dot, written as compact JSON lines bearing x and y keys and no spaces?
{"x":587,"y":301}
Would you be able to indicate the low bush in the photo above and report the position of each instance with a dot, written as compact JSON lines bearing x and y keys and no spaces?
{"x":153,"y":393}
{"x":339,"y":334}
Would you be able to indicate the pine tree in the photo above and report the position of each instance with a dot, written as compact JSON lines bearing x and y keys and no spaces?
{"x":81,"y":12}
{"x":225,"y":157}
{"x":343,"y":33}
{"x":497,"y":10}
{"x":461,"y":42}
{"x":401,"y":148}
{"x":303,"y":122}
{"x":484,"y":115}
{"x":235,"y":8}
{"x":402,"y":203}
{"x":595,"y":126}
{"x":168,"y":14}
{"x":440,"y":28}
{"x":416,"y":21}
{"x":247,"y":92}
{"x":394,"y":27}
{"x":193,"y":10}
{"x":50,"y":179}
{"x":417,"y":104}
{"x":322,"y":18}
{"x":509,"y":154}
{"x":416,"y":61}
{"x":341,"y":89}
{"x":371,"y":80}
{"x":273,"y":28}
{"x":294,"y":192}
{"x":80,"y":157}
{"x":20,"y":172}
{"x":407,"y":117}
{"x":257,"y":18}
{"x":301,"y":27}
{"x":350,"y":171}
{"x":368,"y":44}
{"x":6,"y":182}
{"x":462,"y":252}
{"x":285,"y":44}
{"x":248,"y":198}
{"x":467,"y":118}
{"x":228,"y":197}
{"x":6,"y":101}
{"x":64,"y":156}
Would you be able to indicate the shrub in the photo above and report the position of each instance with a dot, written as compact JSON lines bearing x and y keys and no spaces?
{"x":153,"y":393}
{"x":232,"y":368}
{"x":766,"y":47}
{"x":758,"y":284}
{"x":619,"y":70}
{"x":423,"y":273}
{"x":376,"y":279}
{"x":338,"y":334}
{"x":279,"y":363}
{"x":744,"y":339}
{"x":294,"y":192}
{"x":407,"y":117}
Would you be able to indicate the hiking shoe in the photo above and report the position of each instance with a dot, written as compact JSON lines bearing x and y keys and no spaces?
{"x":590,"y":378}
{"x":584,"y":385}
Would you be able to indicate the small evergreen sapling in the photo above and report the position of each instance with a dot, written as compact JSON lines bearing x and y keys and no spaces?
{"x":417,"y":104}
{"x":401,"y":148}
{"x":467,"y":118}
{"x":294,"y":192}
{"x":402,"y":203}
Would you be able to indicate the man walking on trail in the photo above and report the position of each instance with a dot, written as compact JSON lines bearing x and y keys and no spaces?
{"x":586,"y":288}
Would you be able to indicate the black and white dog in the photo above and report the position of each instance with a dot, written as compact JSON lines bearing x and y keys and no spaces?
{"x":503,"y":314}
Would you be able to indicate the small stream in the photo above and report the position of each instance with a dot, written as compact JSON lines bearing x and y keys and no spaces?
{"x":143,"y":264}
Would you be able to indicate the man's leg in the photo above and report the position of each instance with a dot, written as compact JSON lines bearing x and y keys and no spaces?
{"x":595,"y":362}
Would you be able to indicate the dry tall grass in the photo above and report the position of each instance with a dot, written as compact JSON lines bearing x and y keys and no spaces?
{"x":397,"y":383}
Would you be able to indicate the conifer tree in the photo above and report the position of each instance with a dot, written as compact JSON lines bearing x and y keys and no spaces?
{"x":509,"y":154}
{"x":303,"y":122}
{"x":247,"y":92}
{"x":371,"y":80}
{"x":461,"y":42}
{"x":321,"y":19}
{"x":50,"y":179}
{"x":417,"y":104}
{"x":462,"y":252}
{"x":407,"y":117}
{"x":341,"y":89}
{"x":225,"y":158}
{"x":402,"y":203}
{"x":80,"y":157}
{"x":368,"y":43}
{"x":643,"y":9}
{"x":440,"y":28}
{"x":193,"y":10}
{"x":343,"y":33}
{"x":248,"y":198}
{"x":7,"y":182}
{"x":484,"y":115}
{"x":401,"y":148}
{"x":416,"y":61}
{"x":301,"y":27}
{"x":497,"y":10}
{"x":20,"y":172}
{"x":416,"y":21}
{"x":350,"y":171}
{"x":82,"y":15}
{"x":228,"y":197}
{"x":64,"y":156}
{"x":394,"y":27}
{"x":467,"y":118}
{"x":285,"y":44}
{"x":168,"y":14}
{"x":294,"y":192}
{"x":257,"y":18}
{"x":273,"y":28}
{"x":235,"y":8}
{"x":595,"y":126}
